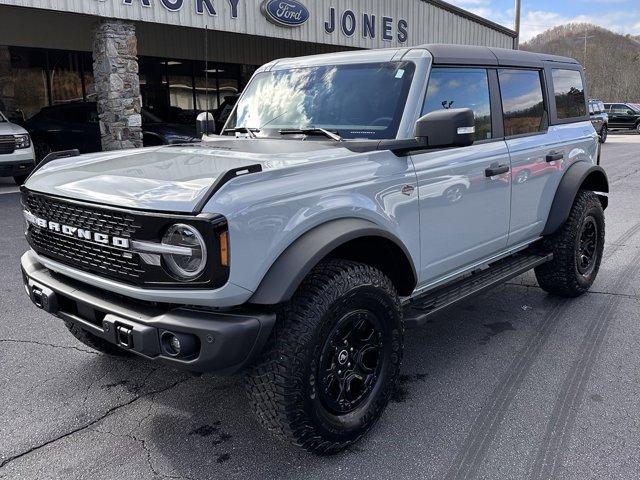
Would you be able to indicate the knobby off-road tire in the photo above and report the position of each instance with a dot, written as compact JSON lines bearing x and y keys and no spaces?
{"x":604,"y":133}
{"x":343,"y":328}
{"x":94,"y":342}
{"x":577,"y":249}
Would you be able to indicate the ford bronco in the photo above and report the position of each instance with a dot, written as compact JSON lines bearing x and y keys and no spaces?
{"x":350,"y":196}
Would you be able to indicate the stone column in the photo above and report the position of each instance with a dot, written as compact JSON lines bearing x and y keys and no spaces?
{"x":117,"y":85}
{"x":7,"y":92}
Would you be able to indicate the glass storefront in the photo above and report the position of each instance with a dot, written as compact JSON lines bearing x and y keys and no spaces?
{"x":173,"y":90}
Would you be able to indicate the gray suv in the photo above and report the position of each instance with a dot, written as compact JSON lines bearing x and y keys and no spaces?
{"x":350,"y":197}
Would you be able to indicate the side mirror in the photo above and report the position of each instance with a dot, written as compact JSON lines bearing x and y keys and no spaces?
{"x":630,"y":112}
{"x":205,"y":124}
{"x":454,"y":127}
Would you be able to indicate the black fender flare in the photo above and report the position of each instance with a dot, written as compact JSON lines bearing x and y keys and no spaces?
{"x":579,"y":175}
{"x":289,"y":270}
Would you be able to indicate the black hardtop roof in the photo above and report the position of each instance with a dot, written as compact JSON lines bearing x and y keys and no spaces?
{"x":472,"y":55}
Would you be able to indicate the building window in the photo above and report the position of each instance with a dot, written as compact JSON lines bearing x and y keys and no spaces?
{"x":65,"y":77}
{"x":569,"y":92}
{"x":522,"y":102}
{"x":30,"y":80}
{"x":461,"y":88}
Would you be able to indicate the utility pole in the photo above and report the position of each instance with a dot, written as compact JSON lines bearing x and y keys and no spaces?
{"x":516,"y":41}
{"x":584,"y":61}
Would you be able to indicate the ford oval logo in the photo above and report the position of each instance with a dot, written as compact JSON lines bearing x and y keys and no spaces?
{"x":286,"y":13}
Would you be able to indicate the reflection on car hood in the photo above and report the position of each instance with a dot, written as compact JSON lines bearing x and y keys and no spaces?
{"x":169,"y":178}
{"x":170,"y":129}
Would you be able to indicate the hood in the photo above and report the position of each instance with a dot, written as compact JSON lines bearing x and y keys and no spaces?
{"x":169,"y":178}
{"x":8,"y":128}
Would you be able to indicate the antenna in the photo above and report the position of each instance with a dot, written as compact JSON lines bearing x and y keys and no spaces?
{"x":206,"y":74}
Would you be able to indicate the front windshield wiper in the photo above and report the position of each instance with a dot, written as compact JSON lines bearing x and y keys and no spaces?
{"x":311,"y":131}
{"x":248,"y":130}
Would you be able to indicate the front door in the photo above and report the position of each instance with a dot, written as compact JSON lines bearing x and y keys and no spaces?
{"x":464,"y":192}
{"x":621,"y":116}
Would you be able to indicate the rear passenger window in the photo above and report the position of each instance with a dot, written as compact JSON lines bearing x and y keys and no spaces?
{"x":569,"y":92}
{"x":522,"y":102}
{"x":461,"y":88}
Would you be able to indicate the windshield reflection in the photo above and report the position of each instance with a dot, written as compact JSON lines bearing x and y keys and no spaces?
{"x":354,"y":101}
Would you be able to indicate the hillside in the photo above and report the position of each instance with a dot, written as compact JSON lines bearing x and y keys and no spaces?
{"x":612,"y":63}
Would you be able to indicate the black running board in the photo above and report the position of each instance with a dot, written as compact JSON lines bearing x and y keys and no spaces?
{"x":417,"y":310}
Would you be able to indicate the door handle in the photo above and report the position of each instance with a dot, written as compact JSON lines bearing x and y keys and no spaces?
{"x":554,"y":156}
{"x":493,"y":171}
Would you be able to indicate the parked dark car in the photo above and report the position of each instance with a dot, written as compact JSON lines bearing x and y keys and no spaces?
{"x":75,"y":125}
{"x":623,"y":116}
{"x":599,"y":119}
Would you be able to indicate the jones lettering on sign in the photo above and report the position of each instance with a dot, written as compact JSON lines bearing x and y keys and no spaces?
{"x":368,"y":24}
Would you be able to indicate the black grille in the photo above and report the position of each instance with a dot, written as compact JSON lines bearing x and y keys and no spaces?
{"x":84,"y":254}
{"x":7,"y":144}
{"x":110,"y":261}
{"x":110,"y":223}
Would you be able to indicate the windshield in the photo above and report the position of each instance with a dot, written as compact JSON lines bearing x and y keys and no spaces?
{"x":354,"y":101}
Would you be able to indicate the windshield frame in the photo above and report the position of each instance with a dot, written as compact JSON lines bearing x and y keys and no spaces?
{"x":394,"y":131}
{"x":3,"y":119}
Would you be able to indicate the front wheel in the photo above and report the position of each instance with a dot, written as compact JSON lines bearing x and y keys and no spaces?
{"x":577,"y":249}
{"x":333,"y":360}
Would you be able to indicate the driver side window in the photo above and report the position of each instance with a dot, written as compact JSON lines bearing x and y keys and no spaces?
{"x":461,"y":88}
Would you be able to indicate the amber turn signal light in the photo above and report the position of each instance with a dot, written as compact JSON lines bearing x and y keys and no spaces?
{"x":224,"y":249}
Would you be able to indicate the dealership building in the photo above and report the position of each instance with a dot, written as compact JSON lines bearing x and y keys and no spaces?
{"x":176,"y":58}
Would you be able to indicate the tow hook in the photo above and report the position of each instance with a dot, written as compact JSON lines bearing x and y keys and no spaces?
{"x":124,"y":336}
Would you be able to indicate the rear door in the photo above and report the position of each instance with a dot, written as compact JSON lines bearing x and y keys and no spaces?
{"x":464,"y":207}
{"x":536,"y":153}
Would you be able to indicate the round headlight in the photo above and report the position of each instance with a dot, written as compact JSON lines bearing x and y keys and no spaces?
{"x":191,"y":263}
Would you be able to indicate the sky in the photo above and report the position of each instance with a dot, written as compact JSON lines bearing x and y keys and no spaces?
{"x":621,"y":16}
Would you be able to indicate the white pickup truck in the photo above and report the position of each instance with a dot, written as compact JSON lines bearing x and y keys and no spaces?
{"x":17,"y":157}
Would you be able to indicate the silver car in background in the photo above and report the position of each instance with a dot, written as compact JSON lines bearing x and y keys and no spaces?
{"x":17,"y":157}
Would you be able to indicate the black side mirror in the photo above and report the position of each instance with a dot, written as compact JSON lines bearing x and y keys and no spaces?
{"x":205,"y":124}
{"x":454,"y":127}
{"x":630,"y":112}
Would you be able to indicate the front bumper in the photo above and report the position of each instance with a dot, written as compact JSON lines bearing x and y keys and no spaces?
{"x":221,"y":342}
{"x":14,"y":168}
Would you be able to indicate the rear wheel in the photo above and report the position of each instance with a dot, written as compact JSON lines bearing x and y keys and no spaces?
{"x":333,"y":360}
{"x":577,"y":249}
{"x":604,"y":133}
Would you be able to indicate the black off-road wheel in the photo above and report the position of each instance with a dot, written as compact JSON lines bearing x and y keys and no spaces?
{"x":577,"y":249}
{"x":333,"y":361}
{"x":94,"y":342}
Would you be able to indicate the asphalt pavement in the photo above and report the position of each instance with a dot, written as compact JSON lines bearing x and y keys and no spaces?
{"x":515,"y":384}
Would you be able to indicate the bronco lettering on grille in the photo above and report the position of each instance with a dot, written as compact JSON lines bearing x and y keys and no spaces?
{"x":80,"y":233}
